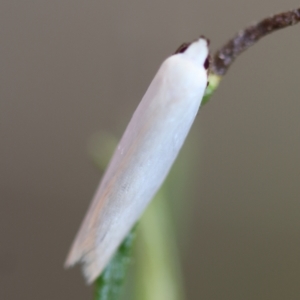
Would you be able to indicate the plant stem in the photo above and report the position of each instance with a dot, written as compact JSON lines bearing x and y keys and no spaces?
{"x":158,"y":271}
{"x":249,"y":36}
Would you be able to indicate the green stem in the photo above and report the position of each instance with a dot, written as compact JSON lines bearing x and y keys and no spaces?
{"x":158,"y":271}
{"x":213,"y":83}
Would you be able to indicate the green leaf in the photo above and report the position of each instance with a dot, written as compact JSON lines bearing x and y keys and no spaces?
{"x":109,"y":285}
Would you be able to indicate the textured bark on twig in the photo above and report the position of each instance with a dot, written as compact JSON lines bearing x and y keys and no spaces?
{"x":244,"y":39}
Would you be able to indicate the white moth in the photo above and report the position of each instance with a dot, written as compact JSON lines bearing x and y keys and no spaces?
{"x":143,"y":157}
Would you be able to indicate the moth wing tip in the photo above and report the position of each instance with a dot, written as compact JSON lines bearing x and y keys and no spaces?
{"x":91,"y":272}
{"x":91,"y":266}
{"x":69,"y":262}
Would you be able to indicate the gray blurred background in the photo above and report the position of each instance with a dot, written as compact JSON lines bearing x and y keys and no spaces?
{"x":72,"y":68}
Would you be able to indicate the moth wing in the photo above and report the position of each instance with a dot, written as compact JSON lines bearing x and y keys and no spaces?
{"x":142,"y":159}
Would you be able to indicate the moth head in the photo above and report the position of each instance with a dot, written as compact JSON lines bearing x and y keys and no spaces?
{"x":197,"y":51}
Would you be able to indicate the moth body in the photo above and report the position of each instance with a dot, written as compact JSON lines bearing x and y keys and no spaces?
{"x":143,"y":158}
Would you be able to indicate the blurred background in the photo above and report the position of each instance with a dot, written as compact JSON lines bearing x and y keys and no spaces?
{"x":70,"y":69}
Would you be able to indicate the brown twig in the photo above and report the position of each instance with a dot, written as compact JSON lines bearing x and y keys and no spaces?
{"x":248,"y":37}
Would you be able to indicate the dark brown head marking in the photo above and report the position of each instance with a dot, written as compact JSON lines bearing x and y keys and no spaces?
{"x":182,"y":48}
{"x":206,"y":63}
